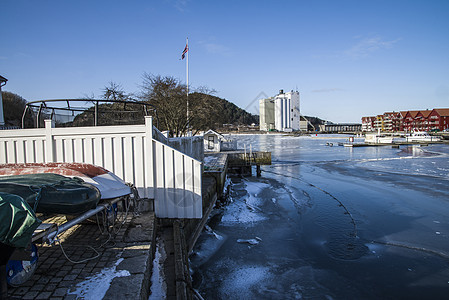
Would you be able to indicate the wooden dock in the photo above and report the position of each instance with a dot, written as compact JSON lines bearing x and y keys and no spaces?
{"x":237,"y":162}
{"x":395,"y":144}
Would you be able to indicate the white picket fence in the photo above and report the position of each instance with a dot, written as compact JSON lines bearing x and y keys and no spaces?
{"x":159,"y":172}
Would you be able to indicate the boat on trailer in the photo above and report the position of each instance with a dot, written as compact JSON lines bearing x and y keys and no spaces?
{"x":110,"y":185}
{"x":76,"y":189}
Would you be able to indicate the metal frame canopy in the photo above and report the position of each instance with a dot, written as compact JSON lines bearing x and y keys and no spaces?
{"x":74,"y":107}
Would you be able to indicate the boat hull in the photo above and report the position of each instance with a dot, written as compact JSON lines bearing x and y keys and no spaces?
{"x":52,"y":193}
{"x":109,"y":184}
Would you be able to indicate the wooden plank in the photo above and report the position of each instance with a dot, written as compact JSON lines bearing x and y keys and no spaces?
{"x":128,"y":159}
{"x":108,"y":154}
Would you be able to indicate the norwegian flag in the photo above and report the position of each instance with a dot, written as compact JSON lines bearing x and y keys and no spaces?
{"x":184,"y":52}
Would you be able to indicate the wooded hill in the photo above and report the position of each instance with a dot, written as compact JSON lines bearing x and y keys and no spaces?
{"x":206,"y":112}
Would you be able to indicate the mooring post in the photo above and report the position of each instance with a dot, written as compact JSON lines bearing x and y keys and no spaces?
{"x":258,"y":171}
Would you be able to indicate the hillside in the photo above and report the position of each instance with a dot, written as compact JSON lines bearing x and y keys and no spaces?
{"x":206,"y":112}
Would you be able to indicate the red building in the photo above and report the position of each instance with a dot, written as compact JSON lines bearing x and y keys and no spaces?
{"x":368,"y":123}
{"x":439,"y":119}
{"x":409,"y":120}
{"x":422,"y":120}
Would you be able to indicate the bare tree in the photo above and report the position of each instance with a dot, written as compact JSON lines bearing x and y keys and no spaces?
{"x":169,"y":96}
{"x":114,"y":92}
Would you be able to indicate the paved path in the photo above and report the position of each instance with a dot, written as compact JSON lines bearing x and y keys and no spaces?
{"x":128,"y":249}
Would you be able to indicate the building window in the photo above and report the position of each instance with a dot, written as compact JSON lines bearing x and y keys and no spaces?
{"x":211,"y":142}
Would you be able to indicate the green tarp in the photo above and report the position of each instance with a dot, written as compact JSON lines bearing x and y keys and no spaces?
{"x":52,"y":193}
{"x":17,"y":221}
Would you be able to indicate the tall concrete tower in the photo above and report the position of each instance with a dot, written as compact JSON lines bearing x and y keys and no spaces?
{"x":287,"y":114}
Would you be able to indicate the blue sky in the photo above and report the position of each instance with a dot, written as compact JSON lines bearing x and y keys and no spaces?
{"x":348,"y":59}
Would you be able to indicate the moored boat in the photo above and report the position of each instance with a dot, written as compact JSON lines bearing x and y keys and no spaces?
{"x":374,"y":138}
{"x":422,"y":136}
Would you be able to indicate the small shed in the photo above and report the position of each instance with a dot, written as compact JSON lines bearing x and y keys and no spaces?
{"x":215,"y":142}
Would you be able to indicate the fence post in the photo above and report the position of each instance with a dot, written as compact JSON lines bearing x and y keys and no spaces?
{"x":50,"y":149}
{"x":150,"y":183}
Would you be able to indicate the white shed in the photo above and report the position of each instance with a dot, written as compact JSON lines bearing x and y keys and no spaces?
{"x":215,"y":142}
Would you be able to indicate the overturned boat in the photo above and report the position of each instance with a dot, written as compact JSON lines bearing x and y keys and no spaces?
{"x":52,"y":193}
{"x":110,"y":185}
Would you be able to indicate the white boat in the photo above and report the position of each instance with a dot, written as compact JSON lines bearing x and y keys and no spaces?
{"x":422,"y":136}
{"x":375,"y":138}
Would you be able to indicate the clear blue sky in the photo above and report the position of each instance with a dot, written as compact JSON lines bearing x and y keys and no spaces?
{"x":348,"y":59}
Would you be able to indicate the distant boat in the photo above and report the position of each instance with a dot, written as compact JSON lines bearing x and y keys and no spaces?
{"x":422,"y":136}
{"x":377,"y":138}
{"x":109,"y":184}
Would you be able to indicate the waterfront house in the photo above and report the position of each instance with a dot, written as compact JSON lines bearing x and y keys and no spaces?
{"x":421,"y":120}
{"x":368,"y":123}
{"x":439,"y":119}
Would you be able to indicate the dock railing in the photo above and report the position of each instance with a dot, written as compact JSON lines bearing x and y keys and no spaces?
{"x":158,"y":171}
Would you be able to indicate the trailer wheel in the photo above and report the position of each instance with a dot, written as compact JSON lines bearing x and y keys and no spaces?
{"x":19,"y":271}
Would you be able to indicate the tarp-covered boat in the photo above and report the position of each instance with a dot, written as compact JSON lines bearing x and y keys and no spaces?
{"x":109,"y":184}
{"x":52,"y":193}
{"x":17,"y":221}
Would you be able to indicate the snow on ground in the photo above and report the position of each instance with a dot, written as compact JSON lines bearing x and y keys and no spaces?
{"x":158,"y":285}
{"x":95,"y":287}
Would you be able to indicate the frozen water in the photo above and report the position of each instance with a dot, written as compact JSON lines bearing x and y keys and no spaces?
{"x":158,"y":285}
{"x":336,"y":223}
{"x":246,"y":210}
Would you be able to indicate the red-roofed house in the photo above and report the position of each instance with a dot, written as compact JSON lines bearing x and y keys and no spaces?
{"x":421,"y":120}
{"x":409,"y":120}
{"x":368,"y":123}
{"x":439,"y":119}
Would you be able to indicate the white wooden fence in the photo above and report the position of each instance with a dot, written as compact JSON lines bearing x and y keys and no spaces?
{"x":159,"y":172}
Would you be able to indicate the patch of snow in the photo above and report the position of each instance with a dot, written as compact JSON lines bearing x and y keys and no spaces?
{"x":249,"y":241}
{"x":246,"y":210}
{"x":239,"y":283}
{"x":158,"y":285}
{"x":95,"y":287}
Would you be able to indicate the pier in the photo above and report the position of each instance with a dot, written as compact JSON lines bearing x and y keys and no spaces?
{"x":241,"y":162}
{"x":394,"y":144}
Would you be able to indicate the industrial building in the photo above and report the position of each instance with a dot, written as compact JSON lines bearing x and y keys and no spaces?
{"x":281,"y":112}
{"x":266,"y":117}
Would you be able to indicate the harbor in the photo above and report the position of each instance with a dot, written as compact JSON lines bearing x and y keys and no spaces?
{"x":325,"y":222}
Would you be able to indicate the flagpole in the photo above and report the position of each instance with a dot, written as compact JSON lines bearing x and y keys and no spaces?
{"x":187,"y":79}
